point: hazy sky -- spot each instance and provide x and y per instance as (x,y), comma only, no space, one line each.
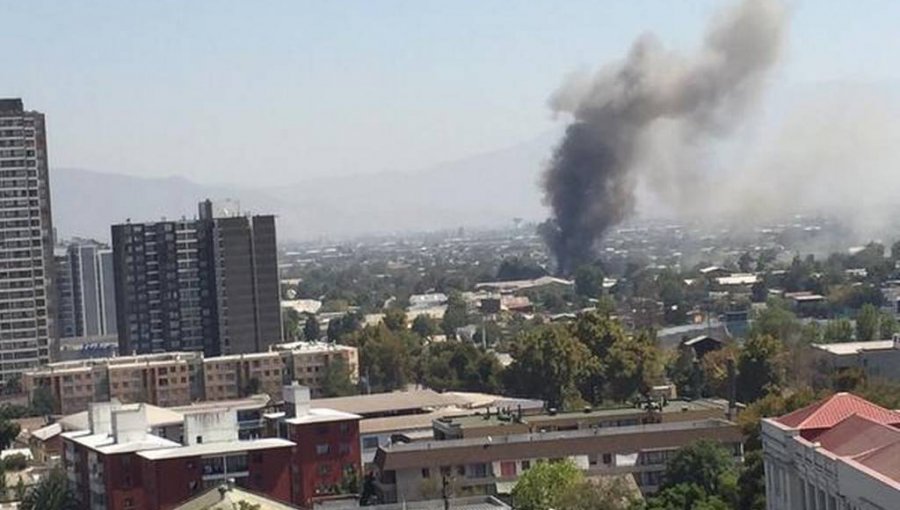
(263,92)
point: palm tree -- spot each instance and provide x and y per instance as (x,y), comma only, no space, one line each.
(51,493)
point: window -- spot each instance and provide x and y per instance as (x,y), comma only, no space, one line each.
(479,471)
(345,428)
(370,443)
(199,440)
(526,465)
(426,473)
(322,449)
(507,469)
(607,458)
(344,448)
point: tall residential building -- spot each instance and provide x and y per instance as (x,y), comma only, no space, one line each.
(86,302)
(208,284)
(27,314)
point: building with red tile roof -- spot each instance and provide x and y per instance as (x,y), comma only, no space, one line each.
(840,453)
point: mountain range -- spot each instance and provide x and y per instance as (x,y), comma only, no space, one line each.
(484,190)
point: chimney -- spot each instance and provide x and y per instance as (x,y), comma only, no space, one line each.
(296,400)
(130,425)
(100,416)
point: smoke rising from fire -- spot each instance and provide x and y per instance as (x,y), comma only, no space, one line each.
(649,119)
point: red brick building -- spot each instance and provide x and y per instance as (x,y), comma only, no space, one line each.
(326,458)
(118,465)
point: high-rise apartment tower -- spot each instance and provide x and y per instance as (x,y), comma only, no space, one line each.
(209,284)
(27,313)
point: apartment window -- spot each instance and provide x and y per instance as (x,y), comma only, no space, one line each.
(479,470)
(526,465)
(322,449)
(507,469)
(370,443)
(607,458)
(345,427)
(426,473)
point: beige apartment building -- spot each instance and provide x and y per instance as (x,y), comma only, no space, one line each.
(179,378)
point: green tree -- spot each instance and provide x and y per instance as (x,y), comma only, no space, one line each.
(776,320)
(760,367)
(867,323)
(386,357)
(460,366)
(517,268)
(337,380)
(42,401)
(840,330)
(752,483)
(311,330)
(684,497)
(395,319)
(759,292)
(424,326)
(9,430)
(589,281)
(342,326)
(51,493)
(456,315)
(546,485)
(291,324)
(706,464)
(549,363)
(887,325)
(16,462)
(603,494)
(622,364)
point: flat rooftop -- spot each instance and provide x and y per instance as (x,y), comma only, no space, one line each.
(631,438)
(501,419)
(216,448)
(393,402)
(562,435)
(407,422)
(845,348)
(321,415)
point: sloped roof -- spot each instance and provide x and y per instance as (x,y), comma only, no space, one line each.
(857,435)
(883,461)
(829,412)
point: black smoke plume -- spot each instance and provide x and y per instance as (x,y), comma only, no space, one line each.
(616,113)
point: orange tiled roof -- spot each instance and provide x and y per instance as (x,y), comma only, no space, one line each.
(831,411)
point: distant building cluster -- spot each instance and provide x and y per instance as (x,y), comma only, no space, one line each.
(179,378)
